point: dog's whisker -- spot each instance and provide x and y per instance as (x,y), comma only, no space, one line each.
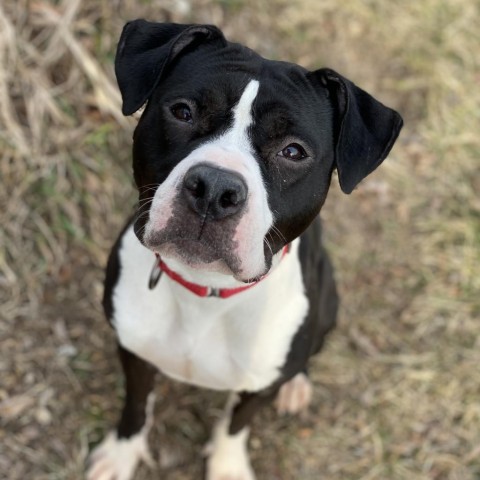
(142,211)
(144,202)
(149,185)
(141,217)
(268,245)
(278,233)
(149,189)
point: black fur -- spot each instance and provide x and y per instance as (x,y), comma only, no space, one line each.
(112,273)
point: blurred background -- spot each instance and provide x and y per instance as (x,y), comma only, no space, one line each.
(397,388)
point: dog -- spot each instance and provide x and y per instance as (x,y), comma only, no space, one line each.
(220,280)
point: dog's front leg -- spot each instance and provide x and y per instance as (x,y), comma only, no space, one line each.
(121,451)
(227,453)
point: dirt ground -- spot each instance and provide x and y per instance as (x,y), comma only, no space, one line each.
(397,387)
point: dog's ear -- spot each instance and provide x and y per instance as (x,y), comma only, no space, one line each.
(364,129)
(146,48)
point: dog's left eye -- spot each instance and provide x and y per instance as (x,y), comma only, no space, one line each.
(182,112)
(294,151)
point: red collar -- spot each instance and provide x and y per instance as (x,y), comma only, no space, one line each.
(200,290)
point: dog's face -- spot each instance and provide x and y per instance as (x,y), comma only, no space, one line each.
(233,154)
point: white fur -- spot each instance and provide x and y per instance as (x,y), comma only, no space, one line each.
(238,343)
(233,151)
(295,395)
(227,454)
(118,457)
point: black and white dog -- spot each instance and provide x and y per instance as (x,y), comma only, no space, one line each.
(233,158)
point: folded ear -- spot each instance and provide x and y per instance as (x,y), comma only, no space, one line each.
(144,51)
(365,130)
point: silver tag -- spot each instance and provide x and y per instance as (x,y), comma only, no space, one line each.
(155,275)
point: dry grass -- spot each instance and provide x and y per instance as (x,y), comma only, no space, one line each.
(398,386)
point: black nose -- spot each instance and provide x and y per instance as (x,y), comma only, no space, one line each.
(213,192)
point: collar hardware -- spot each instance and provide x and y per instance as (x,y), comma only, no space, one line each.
(155,275)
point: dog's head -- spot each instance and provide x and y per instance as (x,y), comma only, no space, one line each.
(234,153)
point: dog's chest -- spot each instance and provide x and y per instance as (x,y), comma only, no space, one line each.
(240,343)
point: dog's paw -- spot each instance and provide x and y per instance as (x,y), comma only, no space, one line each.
(228,456)
(229,468)
(117,459)
(295,395)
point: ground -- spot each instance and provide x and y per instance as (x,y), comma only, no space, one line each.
(397,387)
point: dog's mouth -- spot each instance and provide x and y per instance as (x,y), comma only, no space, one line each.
(208,253)
(208,247)
(195,254)
(203,257)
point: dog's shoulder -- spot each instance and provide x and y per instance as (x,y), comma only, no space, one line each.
(112,272)
(320,289)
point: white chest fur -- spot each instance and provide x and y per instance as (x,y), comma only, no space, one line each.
(239,343)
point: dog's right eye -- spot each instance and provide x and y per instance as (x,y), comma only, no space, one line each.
(182,112)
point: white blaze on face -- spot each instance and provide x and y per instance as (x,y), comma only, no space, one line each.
(242,119)
(233,151)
